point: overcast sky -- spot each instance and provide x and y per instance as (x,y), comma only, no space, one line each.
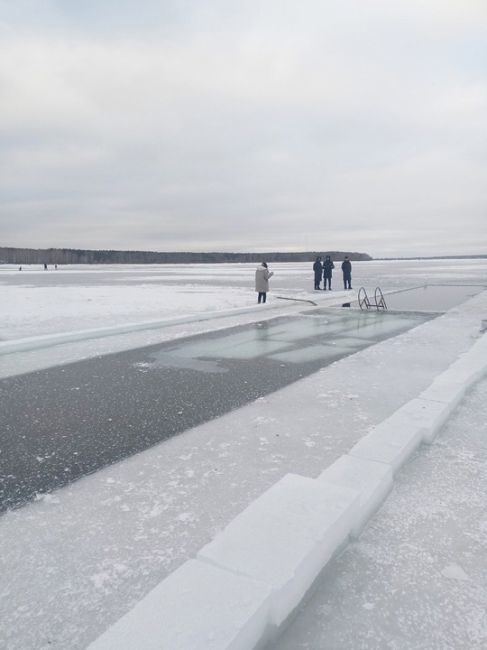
(251,125)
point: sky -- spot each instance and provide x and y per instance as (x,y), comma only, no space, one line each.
(258,125)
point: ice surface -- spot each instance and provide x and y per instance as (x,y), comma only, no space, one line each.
(450,386)
(431,297)
(311,353)
(49,340)
(285,537)
(419,420)
(416,577)
(90,296)
(370,479)
(131,524)
(172,359)
(40,306)
(428,416)
(78,298)
(454,572)
(198,607)
(51,352)
(294,330)
(107,540)
(392,441)
(446,388)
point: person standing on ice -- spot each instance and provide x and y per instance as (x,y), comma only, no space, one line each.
(262,275)
(347,273)
(318,270)
(328,267)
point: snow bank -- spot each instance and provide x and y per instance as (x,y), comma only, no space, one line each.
(449,388)
(249,578)
(285,538)
(48,340)
(417,576)
(428,415)
(392,441)
(198,607)
(419,420)
(372,480)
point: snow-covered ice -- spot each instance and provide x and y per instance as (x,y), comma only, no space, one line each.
(199,607)
(391,442)
(74,562)
(80,297)
(417,577)
(285,537)
(373,481)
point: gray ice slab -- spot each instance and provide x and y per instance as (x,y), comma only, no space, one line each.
(311,353)
(371,479)
(267,338)
(384,325)
(253,342)
(198,607)
(254,349)
(351,342)
(285,537)
(175,360)
(304,327)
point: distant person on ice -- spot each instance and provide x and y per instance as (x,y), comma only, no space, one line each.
(318,270)
(347,273)
(328,267)
(262,275)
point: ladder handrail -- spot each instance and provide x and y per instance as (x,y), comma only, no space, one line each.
(364,300)
(381,303)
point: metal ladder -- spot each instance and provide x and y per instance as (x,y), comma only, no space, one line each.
(365,302)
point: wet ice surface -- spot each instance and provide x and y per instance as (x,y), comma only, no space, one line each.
(417,577)
(431,297)
(61,423)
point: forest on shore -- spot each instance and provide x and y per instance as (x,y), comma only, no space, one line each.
(10,255)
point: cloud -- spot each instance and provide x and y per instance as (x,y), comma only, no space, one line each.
(244,126)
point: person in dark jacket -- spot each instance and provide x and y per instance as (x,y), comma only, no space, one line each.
(328,267)
(347,273)
(318,270)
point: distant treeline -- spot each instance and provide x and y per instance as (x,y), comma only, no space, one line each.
(73,256)
(434,257)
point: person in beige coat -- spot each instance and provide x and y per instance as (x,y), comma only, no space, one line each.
(262,275)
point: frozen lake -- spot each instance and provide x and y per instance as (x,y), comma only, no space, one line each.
(36,302)
(431,297)
(79,557)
